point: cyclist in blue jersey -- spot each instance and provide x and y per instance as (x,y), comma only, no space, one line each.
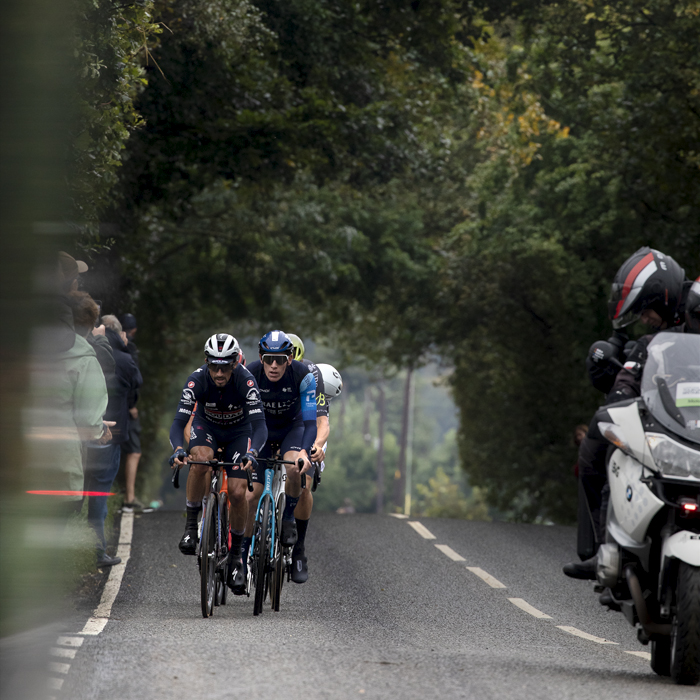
(228,414)
(288,393)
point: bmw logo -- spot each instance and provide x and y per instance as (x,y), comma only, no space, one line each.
(629,493)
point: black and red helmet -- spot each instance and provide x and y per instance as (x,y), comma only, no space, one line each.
(647,280)
(692,308)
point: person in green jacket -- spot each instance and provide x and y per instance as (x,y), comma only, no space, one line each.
(68,403)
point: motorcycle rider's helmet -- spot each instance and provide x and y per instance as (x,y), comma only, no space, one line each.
(298,346)
(221,349)
(332,381)
(692,308)
(647,280)
(276,343)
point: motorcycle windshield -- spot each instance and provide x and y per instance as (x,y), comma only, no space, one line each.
(671,383)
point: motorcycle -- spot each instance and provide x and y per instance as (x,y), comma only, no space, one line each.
(650,561)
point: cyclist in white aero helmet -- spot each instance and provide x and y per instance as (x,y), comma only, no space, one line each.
(302,513)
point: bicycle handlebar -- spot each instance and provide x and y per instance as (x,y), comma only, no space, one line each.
(211,463)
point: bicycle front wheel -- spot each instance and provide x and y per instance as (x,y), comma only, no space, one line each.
(208,557)
(263,555)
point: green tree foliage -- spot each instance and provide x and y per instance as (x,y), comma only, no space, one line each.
(428,178)
(111,46)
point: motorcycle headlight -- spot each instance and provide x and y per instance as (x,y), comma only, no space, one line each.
(672,458)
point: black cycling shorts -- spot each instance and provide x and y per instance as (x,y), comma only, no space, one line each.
(234,443)
(289,439)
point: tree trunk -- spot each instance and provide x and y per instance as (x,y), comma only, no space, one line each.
(400,474)
(380,448)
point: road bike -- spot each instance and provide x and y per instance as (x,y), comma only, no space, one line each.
(214,536)
(268,560)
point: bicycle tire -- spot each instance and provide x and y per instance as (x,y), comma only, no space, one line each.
(263,549)
(223,545)
(208,558)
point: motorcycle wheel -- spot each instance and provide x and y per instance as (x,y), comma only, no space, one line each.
(685,634)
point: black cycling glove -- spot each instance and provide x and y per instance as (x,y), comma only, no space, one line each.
(178,454)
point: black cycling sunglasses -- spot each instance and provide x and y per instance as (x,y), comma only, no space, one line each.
(279,359)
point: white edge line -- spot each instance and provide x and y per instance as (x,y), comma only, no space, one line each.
(55,683)
(401,516)
(487,578)
(62,653)
(100,616)
(448,551)
(422,530)
(56,667)
(584,635)
(526,607)
(70,641)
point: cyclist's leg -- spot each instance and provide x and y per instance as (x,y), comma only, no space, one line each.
(202,448)
(237,493)
(290,449)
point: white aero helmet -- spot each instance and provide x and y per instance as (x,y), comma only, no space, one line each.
(222,349)
(332,380)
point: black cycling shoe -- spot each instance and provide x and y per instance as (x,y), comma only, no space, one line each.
(582,569)
(289,533)
(300,570)
(188,543)
(237,576)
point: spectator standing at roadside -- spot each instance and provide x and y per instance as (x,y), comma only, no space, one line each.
(102,455)
(132,445)
(127,379)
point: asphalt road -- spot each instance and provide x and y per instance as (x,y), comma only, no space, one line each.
(385,614)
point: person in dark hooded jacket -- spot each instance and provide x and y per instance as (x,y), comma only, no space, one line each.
(126,380)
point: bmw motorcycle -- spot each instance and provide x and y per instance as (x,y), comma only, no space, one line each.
(651,558)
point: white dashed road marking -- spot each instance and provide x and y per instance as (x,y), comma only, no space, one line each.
(448,551)
(487,578)
(421,530)
(641,654)
(520,603)
(584,635)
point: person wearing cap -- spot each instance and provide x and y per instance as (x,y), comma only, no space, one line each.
(132,447)
(59,336)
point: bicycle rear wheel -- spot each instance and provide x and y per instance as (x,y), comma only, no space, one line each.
(263,555)
(224,545)
(208,557)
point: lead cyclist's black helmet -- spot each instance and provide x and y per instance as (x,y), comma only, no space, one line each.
(277,343)
(647,280)
(692,308)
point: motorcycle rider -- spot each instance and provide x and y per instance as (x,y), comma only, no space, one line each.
(652,288)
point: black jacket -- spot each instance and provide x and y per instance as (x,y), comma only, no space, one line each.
(127,378)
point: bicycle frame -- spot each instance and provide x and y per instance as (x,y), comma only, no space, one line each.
(275,476)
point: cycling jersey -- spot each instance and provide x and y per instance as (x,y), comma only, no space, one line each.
(231,408)
(321,396)
(288,401)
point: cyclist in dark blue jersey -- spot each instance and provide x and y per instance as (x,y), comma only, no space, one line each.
(228,414)
(288,393)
